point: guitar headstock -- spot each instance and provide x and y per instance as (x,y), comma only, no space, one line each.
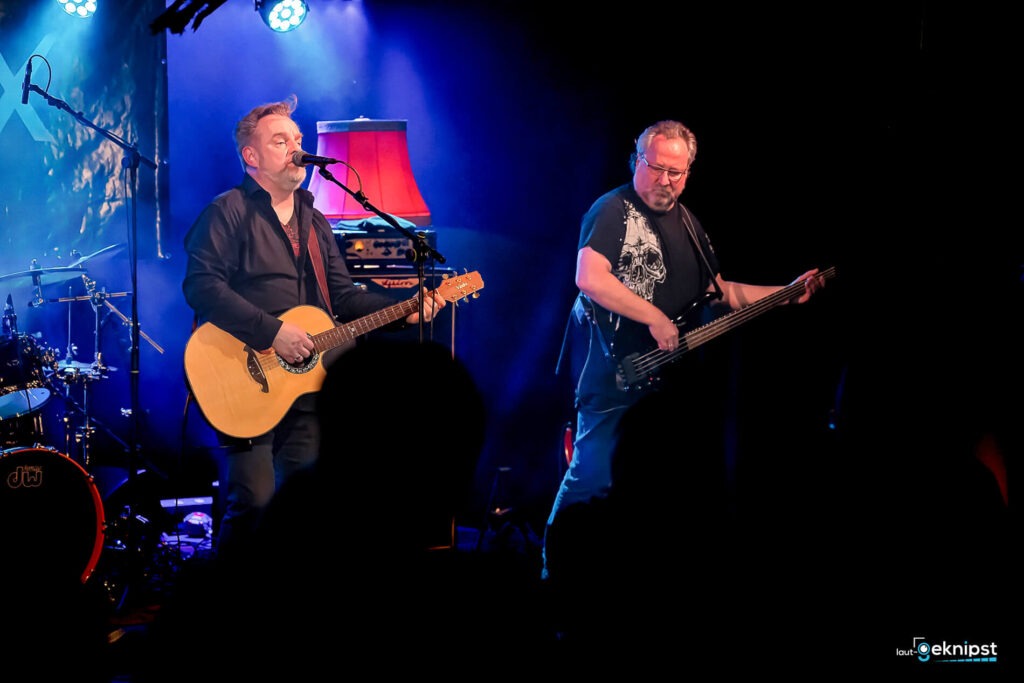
(456,288)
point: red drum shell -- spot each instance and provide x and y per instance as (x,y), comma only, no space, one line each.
(51,513)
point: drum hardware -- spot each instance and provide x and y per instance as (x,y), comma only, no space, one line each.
(71,372)
(130,535)
(10,326)
(63,375)
(30,375)
(101,297)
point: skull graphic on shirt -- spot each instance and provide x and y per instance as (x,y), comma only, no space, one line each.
(641,266)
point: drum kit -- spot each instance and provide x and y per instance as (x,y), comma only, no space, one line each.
(54,497)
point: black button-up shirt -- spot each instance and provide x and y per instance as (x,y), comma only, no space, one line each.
(242,273)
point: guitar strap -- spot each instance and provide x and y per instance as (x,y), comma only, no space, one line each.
(318,267)
(688,220)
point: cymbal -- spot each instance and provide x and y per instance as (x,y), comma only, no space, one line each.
(104,250)
(47,276)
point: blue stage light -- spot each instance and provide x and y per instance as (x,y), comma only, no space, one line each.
(282,15)
(79,8)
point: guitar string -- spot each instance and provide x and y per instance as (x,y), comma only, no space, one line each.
(378,319)
(652,359)
(366,324)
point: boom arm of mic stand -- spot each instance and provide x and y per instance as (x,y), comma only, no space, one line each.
(61,104)
(423,249)
(428,251)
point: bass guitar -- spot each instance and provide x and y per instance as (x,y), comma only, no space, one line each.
(243,392)
(641,370)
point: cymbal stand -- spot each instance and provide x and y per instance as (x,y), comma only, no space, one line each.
(101,297)
(97,370)
(96,298)
(37,285)
(71,348)
(81,436)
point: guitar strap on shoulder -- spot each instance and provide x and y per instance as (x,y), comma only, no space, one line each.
(318,266)
(688,221)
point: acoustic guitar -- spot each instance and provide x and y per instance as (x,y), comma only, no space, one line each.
(244,392)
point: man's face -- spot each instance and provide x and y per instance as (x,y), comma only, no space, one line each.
(652,178)
(274,140)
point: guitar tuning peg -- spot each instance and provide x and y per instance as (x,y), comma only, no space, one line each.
(475,295)
(444,276)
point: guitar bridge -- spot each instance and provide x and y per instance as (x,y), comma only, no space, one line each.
(252,364)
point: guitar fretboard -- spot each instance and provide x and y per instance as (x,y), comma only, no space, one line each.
(638,370)
(345,332)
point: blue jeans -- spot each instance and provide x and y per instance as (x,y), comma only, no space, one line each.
(600,406)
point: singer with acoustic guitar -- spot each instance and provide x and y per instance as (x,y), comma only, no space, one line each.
(261,259)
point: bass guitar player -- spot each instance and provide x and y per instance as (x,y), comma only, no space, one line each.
(643,262)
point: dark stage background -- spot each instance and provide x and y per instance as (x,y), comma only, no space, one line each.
(867,136)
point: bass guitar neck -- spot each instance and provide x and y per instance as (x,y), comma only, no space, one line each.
(641,370)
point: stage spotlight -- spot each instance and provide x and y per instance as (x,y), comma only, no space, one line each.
(282,15)
(78,8)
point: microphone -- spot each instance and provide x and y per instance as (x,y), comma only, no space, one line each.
(27,83)
(300,158)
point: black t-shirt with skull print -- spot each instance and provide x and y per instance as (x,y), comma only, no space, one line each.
(650,253)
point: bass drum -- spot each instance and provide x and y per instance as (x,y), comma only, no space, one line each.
(51,514)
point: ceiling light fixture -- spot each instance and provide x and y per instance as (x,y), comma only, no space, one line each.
(282,15)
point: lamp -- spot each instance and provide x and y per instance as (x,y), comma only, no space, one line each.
(79,8)
(377,153)
(282,15)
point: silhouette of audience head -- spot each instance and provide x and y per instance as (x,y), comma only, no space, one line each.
(402,427)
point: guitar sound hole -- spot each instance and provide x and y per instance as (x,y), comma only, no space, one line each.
(300,368)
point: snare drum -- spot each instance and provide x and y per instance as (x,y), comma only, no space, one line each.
(23,385)
(51,514)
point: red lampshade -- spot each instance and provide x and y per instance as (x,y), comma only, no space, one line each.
(379,153)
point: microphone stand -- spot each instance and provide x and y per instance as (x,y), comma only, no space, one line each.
(130,163)
(421,251)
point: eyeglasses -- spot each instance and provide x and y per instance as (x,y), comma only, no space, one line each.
(673,176)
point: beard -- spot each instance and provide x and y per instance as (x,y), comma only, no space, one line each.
(661,199)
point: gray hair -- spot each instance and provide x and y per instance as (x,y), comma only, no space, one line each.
(671,130)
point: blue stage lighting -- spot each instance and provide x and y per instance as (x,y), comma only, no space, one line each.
(78,8)
(282,15)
